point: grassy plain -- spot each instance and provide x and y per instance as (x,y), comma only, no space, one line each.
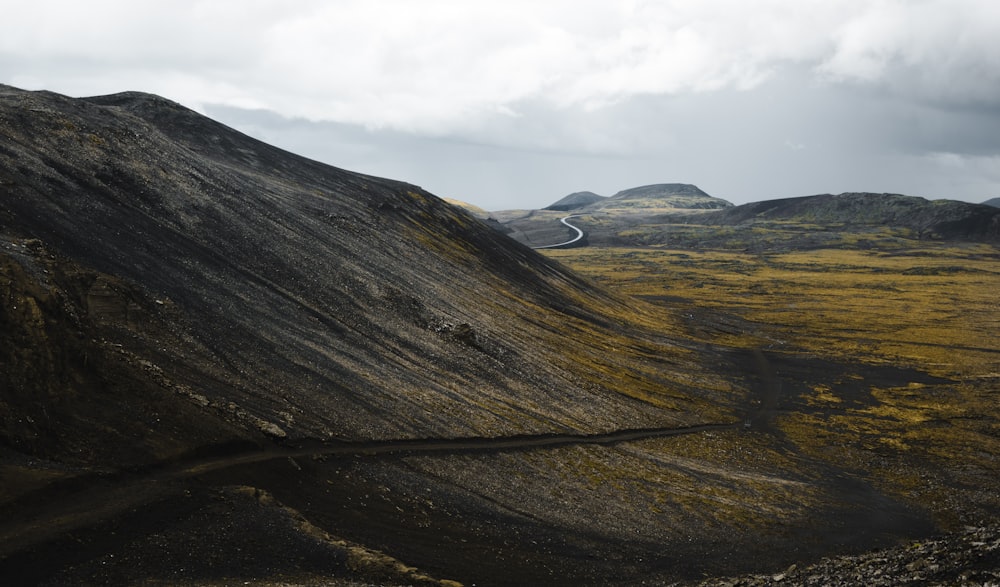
(888,357)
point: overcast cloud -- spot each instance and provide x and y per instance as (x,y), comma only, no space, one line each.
(516,103)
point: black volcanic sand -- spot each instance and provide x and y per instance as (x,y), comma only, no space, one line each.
(473,541)
(199,534)
(210,534)
(200,528)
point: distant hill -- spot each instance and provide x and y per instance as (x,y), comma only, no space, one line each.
(944,219)
(659,190)
(575,201)
(992,202)
(542,227)
(664,196)
(647,199)
(658,214)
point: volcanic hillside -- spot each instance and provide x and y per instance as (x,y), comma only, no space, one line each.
(323,303)
(173,287)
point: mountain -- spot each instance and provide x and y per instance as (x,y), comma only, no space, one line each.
(575,200)
(992,202)
(283,271)
(180,297)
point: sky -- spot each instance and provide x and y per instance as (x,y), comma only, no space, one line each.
(517,103)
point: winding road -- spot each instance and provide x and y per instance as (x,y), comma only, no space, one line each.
(579,233)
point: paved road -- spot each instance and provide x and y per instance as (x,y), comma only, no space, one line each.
(564,220)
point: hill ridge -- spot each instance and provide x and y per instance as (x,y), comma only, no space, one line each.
(944,219)
(660,189)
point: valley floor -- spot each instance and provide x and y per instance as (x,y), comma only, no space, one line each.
(915,329)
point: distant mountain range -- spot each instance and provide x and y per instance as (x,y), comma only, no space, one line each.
(640,215)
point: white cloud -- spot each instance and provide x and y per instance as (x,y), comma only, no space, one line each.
(445,64)
(937,50)
(676,88)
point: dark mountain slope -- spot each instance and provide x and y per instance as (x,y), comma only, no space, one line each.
(70,395)
(323,303)
(175,290)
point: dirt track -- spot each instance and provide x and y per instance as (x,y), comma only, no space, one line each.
(342,487)
(87,501)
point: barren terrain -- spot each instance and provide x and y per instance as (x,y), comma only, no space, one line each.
(225,363)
